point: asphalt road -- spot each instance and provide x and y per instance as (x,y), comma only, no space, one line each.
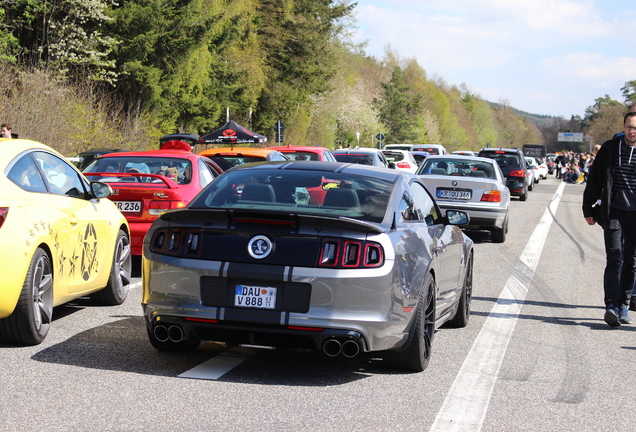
(536,356)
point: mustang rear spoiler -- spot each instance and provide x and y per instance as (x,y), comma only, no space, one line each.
(226,218)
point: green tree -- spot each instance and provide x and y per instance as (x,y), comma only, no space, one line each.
(399,109)
(599,105)
(482,120)
(629,92)
(606,120)
(346,111)
(188,63)
(9,44)
(297,44)
(63,35)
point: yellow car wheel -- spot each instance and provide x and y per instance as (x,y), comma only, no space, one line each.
(29,323)
(116,290)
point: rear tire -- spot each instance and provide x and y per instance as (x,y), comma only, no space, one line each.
(498,235)
(116,289)
(30,321)
(417,355)
(463,309)
(523,197)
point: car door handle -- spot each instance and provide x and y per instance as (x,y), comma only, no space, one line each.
(441,248)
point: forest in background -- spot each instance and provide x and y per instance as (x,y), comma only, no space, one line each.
(80,74)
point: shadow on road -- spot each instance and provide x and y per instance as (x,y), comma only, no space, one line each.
(123,346)
(479,236)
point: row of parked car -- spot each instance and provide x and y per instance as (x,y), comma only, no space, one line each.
(479,183)
(300,251)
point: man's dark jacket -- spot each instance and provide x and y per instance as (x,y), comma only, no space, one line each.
(599,181)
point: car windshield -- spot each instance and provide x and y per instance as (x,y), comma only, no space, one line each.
(302,155)
(394,156)
(177,169)
(303,192)
(228,161)
(357,158)
(457,167)
(504,159)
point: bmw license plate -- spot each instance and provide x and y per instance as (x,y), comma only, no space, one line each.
(454,194)
(255,297)
(129,206)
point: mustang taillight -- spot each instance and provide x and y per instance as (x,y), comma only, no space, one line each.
(491,196)
(340,253)
(183,242)
(3,215)
(517,173)
(156,208)
(351,254)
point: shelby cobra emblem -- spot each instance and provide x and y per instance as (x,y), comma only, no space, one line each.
(259,247)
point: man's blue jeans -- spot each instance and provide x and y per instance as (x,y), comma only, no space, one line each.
(620,248)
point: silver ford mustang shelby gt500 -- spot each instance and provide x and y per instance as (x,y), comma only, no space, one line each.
(340,258)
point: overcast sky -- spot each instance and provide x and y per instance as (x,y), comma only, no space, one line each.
(549,57)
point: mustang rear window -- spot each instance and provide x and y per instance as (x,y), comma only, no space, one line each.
(304,192)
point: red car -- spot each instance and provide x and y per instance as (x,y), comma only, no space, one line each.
(303,153)
(146,184)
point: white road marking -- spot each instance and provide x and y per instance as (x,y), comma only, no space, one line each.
(219,365)
(465,406)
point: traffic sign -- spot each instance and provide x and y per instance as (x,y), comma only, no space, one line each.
(570,137)
(380,137)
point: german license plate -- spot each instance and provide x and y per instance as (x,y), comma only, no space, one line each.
(455,194)
(129,206)
(255,297)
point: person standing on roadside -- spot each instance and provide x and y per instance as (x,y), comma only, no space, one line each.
(609,199)
(559,164)
(5,131)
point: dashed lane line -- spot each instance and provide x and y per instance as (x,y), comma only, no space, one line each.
(221,364)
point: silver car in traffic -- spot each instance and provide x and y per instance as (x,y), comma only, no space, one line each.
(339,258)
(475,185)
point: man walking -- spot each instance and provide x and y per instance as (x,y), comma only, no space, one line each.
(610,199)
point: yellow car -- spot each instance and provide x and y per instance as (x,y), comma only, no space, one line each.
(60,239)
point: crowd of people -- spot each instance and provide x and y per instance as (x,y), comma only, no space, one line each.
(573,167)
